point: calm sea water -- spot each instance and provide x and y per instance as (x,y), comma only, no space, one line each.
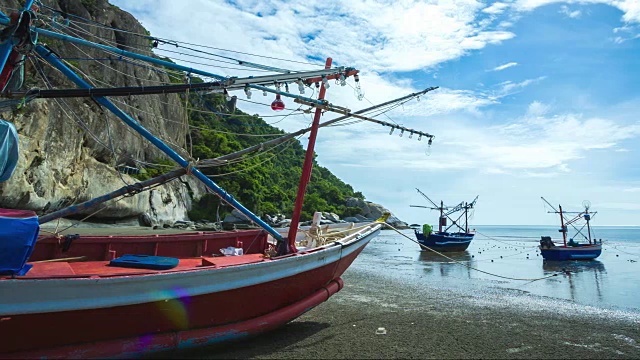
(611,281)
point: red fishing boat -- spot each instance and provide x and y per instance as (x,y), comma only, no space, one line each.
(81,306)
(86,296)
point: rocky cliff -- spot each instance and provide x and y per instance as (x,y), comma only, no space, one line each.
(70,148)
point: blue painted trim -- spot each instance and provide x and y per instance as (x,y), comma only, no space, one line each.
(152,60)
(445,241)
(563,255)
(49,56)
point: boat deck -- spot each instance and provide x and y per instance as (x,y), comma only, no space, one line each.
(103,269)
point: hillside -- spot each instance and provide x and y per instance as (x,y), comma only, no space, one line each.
(71,149)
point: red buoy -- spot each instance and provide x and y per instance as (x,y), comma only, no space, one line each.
(277,104)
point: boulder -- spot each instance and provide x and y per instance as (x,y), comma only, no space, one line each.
(331,217)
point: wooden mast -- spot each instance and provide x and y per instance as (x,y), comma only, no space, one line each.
(440,219)
(466,218)
(306,170)
(587,217)
(563,229)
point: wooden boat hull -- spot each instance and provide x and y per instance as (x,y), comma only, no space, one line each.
(121,316)
(563,253)
(445,242)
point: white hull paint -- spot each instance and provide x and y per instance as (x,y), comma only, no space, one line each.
(30,296)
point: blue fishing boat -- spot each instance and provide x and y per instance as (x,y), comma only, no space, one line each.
(572,250)
(446,240)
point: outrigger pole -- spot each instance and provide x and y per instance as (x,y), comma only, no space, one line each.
(161,179)
(256,82)
(443,215)
(48,55)
(54,60)
(565,221)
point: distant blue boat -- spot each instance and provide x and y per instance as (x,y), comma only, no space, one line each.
(571,250)
(444,240)
(577,252)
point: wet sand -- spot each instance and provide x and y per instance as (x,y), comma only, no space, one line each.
(424,319)
(433,323)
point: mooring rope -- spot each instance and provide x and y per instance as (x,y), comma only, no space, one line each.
(504,242)
(468,266)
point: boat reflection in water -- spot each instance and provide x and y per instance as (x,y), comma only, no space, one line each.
(594,266)
(581,276)
(436,264)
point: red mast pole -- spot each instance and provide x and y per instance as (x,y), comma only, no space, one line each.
(306,170)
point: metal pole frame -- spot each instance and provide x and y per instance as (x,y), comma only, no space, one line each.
(53,59)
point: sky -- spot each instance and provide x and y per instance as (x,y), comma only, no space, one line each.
(536,98)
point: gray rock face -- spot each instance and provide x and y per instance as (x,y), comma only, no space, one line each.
(331,217)
(373,211)
(70,148)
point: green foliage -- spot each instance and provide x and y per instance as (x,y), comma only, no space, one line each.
(265,184)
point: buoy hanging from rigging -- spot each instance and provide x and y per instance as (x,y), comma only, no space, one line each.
(277,104)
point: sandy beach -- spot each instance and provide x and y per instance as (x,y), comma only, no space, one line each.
(394,286)
(432,323)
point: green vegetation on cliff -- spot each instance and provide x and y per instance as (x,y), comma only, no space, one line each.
(265,184)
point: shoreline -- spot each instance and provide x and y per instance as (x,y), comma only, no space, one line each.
(437,323)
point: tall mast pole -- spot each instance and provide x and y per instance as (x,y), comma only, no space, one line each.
(562,228)
(306,171)
(466,218)
(440,219)
(588,217)
(54,60)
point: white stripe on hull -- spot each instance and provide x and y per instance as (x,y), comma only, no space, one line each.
(29,296)
(453,242)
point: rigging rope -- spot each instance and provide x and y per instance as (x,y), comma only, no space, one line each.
(503,242)
(468,266)
(155,41)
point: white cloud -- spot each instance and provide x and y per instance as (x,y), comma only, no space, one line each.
(537,108)
(378,36)
(505,66)
(630,8)
(508,87)
(495,8)
(384,38)
(572,14)
(532,147)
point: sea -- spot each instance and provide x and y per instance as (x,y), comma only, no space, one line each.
(507,257)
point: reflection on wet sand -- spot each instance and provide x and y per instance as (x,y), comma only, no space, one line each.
(433,257)
(580,275)
(573,266)
(435,263)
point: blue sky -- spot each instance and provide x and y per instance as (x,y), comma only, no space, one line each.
(537,97)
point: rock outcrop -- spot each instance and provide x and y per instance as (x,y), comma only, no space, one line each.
(373,211)
(70,148)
